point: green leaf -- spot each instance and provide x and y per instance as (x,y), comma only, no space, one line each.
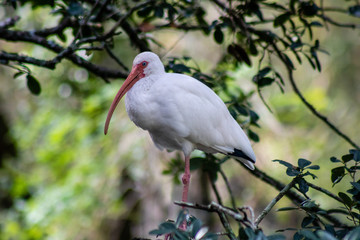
(239,53)
(309,173)
(356,154)
(33,84)
(289,165)
(75,8)
(356,185)
(195,227)
(253,117)
(316,24)
(303,186)
(196,163)
(144,12)
(263,72)
(287,209)
(292,172)
(308,204)
(164,228)
(180,68)
(281,19)
(289,62)
(334,159)
(18,74)
(337,174)
(253,136)
(346,199)
(181,217)
(265,81)
(302,163)
(315,57)
(325,235)
(347,157)
(306,221)
(280,78)
(252,48)
(308,234)
(310,61)
(159,12)
(308,9)
(241,109)
(296,45)
(314,167)
(355,11)
(218,35)
(353,234)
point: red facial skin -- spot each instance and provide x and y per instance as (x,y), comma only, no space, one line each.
(137,72)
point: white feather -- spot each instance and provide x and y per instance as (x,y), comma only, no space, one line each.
(181,113)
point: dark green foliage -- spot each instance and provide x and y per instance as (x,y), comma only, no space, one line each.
(194,228)
(75,8)
(218,35)
(355,10)
(267,30)
(33,84)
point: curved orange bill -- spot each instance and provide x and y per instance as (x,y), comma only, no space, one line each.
(133,77)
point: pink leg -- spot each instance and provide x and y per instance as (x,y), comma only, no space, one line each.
(186,182)
(186,179)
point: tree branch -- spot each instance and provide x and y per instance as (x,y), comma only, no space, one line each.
(274,201)
(28,36)
(26,59)
(330,194)
(306,103)
(115,15)
(292,195)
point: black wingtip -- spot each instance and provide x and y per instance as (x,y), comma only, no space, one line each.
(241,154)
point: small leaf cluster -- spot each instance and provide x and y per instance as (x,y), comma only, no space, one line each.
(313,225)
(299,172)
(175,167)
(186,227)
(349,166)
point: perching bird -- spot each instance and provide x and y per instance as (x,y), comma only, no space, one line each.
(180,113)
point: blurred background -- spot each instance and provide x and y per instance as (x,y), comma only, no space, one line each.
(61,178)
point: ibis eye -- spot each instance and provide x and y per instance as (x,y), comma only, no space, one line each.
(144,64)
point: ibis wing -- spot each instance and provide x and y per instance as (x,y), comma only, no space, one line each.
(202,118)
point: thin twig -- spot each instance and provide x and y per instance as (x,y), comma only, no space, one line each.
(218,197)
(26,59)
(222,216)
(274,201)
(213,207)
(114,57)
(330,194)
(233,203)
(345,25)
(292,195)
(306,103)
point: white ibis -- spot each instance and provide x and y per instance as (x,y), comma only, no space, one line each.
(180,113)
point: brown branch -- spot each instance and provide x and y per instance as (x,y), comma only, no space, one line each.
(26,59)
(345,25)
(65,22)
(292,195)
(115,15)
(28,36)
(233,203)
(274,201)
(220,209)
(330,194)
